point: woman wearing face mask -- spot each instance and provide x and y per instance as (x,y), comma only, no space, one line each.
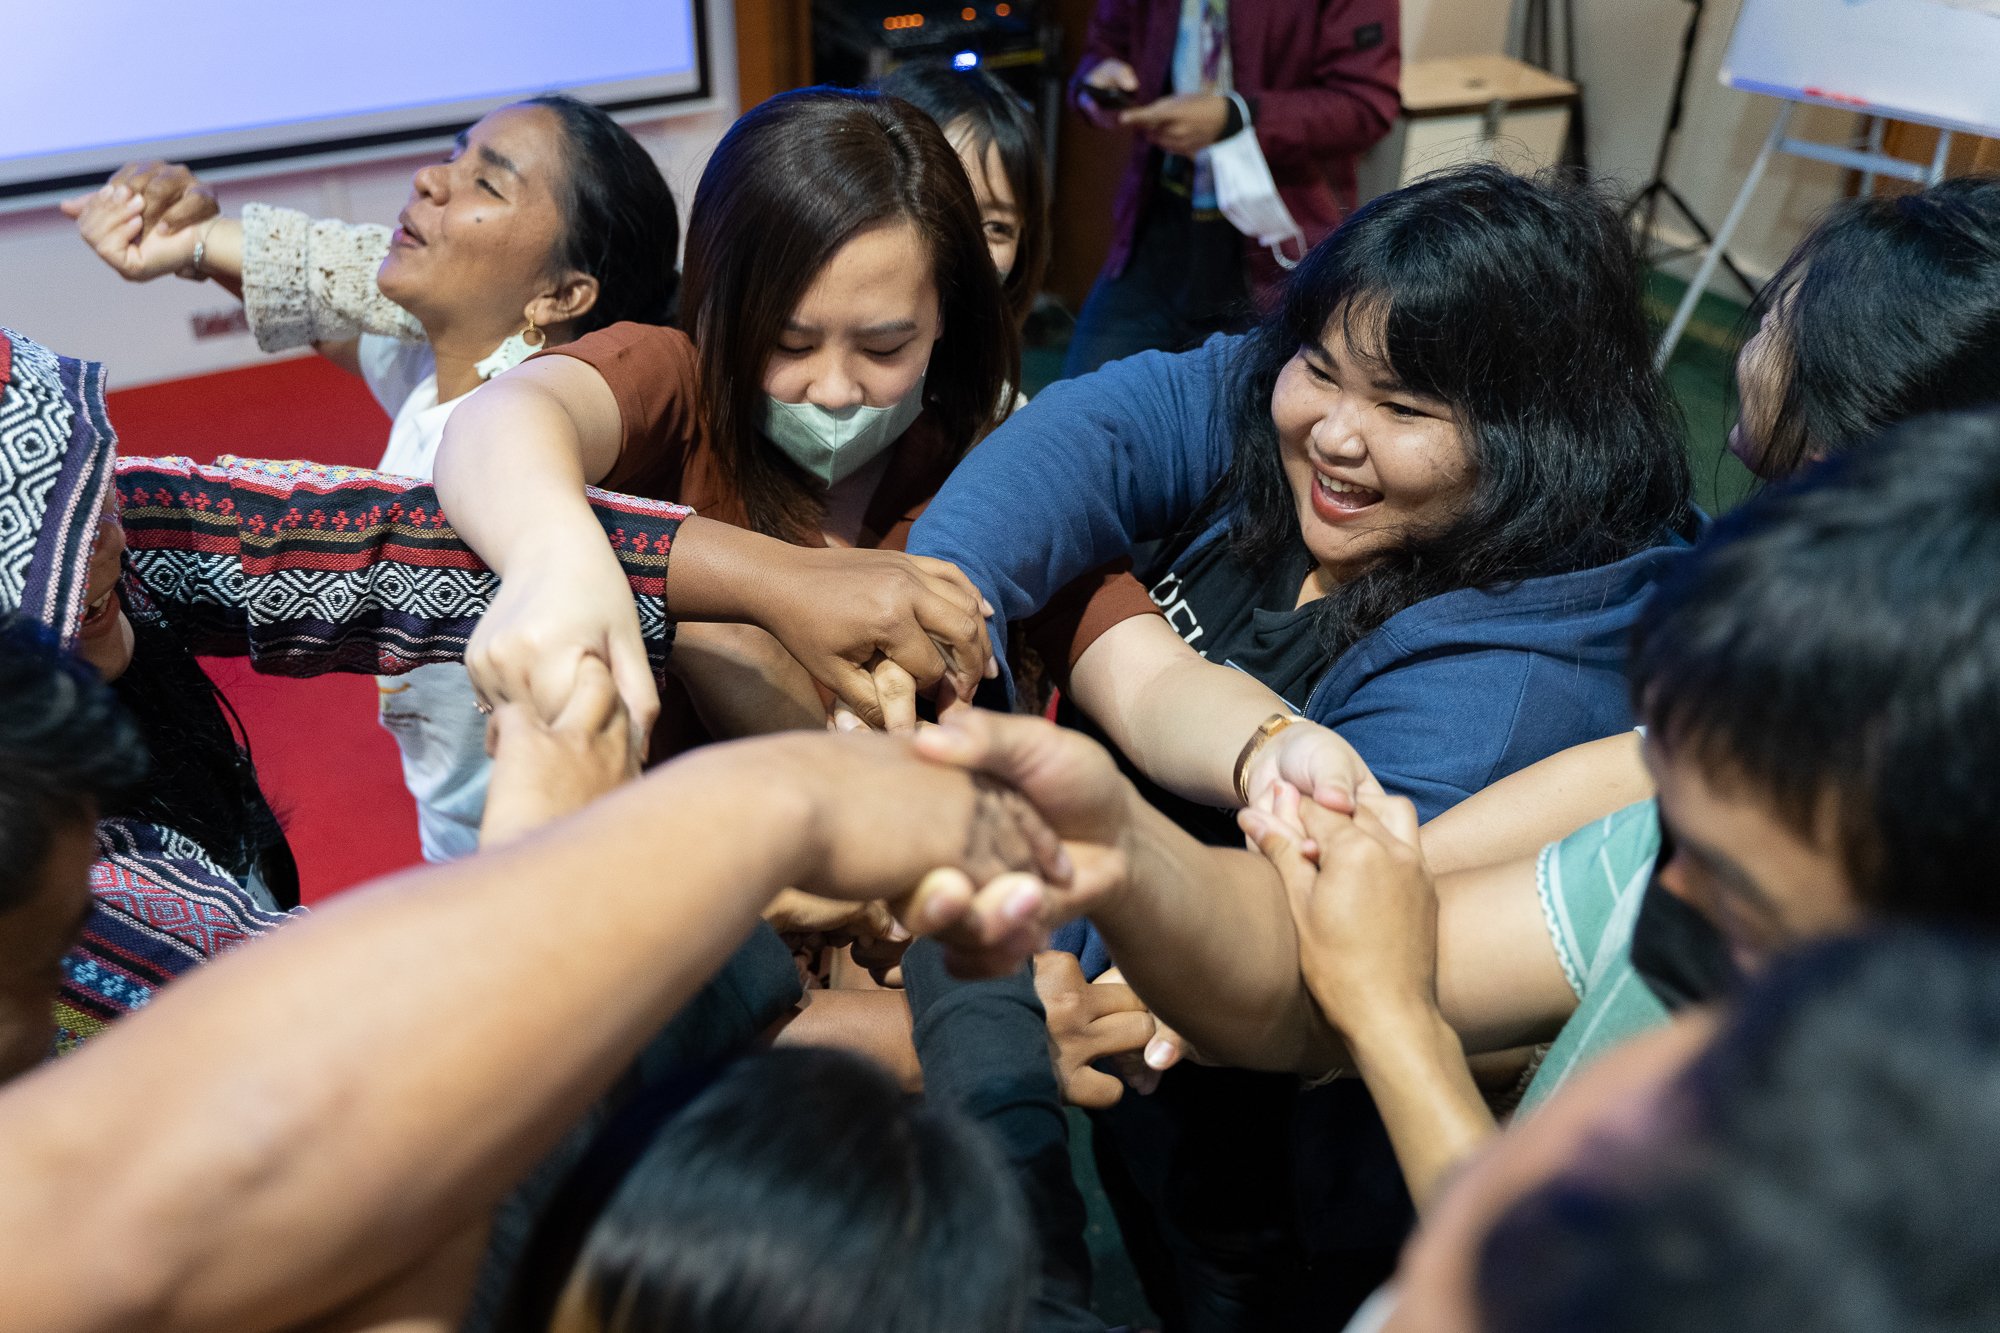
(849,344)
(547,221)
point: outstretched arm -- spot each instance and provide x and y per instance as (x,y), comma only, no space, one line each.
(555,958)
(1193,726)
(1206,935)
(304,282)
(1540,804)
(1367,918)
(511,471)
(310,569)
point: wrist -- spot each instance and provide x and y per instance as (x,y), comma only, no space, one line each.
(1400,1031)
(723,572)
(1259,742)
(1157,854)
(786,772)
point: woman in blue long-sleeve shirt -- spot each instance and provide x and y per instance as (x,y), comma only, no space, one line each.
(1420,506)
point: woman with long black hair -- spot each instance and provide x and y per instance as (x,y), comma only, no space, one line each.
(1421,505)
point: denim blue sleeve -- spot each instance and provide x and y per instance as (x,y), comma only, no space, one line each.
(1437,728)
(1081,474)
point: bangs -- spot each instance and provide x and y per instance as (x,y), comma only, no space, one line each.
(1397,330)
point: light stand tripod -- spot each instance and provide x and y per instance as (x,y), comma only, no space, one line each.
(1659,190)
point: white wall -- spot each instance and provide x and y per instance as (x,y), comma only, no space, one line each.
(54,290)
(1627,50)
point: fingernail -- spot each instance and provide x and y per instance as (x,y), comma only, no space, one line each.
(937,914)
(985,608)
(1065,869)
(1023,904)
(1159,1051)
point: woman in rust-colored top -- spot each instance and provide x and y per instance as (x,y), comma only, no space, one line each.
(852,345)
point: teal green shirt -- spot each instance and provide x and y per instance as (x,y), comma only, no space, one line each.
(1590,885)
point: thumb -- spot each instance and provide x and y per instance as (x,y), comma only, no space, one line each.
(74,205)
(1397,816)
(632,674)
(855,688)
(1280,847)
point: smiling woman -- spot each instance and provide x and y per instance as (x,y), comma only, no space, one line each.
(1421,505)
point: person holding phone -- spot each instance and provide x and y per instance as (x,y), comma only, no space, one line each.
(1315,83)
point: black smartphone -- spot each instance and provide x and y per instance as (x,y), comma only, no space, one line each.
(1111,99)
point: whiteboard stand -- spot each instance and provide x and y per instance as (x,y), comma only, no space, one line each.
(1870,162)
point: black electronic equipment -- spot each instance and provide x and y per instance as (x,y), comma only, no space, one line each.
(870,37)
(858,41)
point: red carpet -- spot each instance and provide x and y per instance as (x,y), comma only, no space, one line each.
(332,774)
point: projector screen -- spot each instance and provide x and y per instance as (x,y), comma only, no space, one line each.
(233,82)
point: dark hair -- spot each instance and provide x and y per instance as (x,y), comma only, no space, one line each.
(1835,646)
(793,181)
(805,1193)
(202,781)
(66,746)
(1832,1163)
(620,225)
(993,116)
(1889,308)
(1515,300)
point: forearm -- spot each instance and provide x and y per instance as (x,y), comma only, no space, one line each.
(510,474)
(306,281)
(220,549)
(1205,936)
(1415,1068)
(1542,803)
(720,572)
(260,1053)
(222,254)
(1181,719)
(743,682)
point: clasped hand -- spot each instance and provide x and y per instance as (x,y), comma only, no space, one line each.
(144,221)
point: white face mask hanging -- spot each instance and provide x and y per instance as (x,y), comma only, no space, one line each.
(1247,195)
(833,446)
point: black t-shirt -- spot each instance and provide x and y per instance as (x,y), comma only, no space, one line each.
(1246,618)
(1239,616)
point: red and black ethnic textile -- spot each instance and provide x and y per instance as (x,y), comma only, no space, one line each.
(55,464)
(309,569)
(159,907)
(304,569)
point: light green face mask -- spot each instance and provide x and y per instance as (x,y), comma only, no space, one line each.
(833,446)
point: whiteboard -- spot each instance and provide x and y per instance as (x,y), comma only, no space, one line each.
(1932,61)
(258,81)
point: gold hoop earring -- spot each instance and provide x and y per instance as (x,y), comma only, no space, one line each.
(533,336)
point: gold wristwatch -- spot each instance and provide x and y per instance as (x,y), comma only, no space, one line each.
(1266,729)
